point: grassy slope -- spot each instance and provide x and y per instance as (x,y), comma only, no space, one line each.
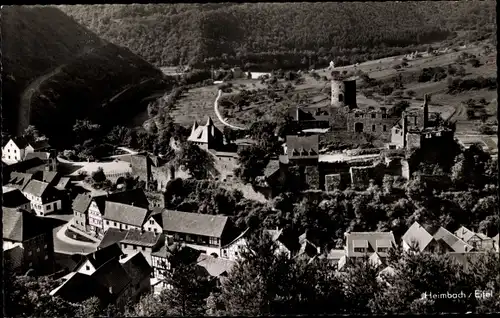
(69,71)
(166,34)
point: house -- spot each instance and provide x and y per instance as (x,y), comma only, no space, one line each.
(95,260)
(417,238)
(31,237)
(124,216)
(139,271)
(232,250)
(161,263)
(135,197)
(43,155)
(216,268)
(207,136)
(15,199)
(285,241)
(457,245)
(374,244)
(333,256)
(80,208)
(154,223)
(16,148)
(50,177)
(44,198)
(207,233)
(111,237)
(478,240)
(143,241)
(308,249)
(28,166)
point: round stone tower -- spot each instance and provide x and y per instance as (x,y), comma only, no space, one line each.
(344,93)
(338,93)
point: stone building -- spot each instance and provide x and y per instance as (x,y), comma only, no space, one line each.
(373,121)
(343,93)
(207,136)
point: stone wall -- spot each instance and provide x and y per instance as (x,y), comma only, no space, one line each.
(312,177)
(374,123)
(333,181)
(413,140)
(360,176)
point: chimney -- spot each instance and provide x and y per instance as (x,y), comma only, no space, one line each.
(405,129)
(426,110)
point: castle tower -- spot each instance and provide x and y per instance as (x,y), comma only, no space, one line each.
(343,93)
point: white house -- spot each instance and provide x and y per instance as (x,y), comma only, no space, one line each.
(123,216)
(43,198)
(154,222)
(16,149)
(93,261)
(232,251)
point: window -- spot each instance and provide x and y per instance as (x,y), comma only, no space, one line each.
(143,248)
(151,222)
(9,157)
(46,257)
(384,128)
(149,229)
(214,241)
(114,223)
(382,249)
(373,127)
(107,222)
(135,247)
(374,115)
(124,245)
(359,249)
(87,267)
(356,115)
(8,150)
(235,253)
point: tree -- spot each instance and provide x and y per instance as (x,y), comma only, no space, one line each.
(98,176)
(188,283)
(410,93)
(258,283)
(31,133)
(195,160)
(252,161)
(150,305)
(400,107)
(386,90)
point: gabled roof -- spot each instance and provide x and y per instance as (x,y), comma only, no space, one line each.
(205,133)
(456,244)
(36,188)
(101,256)
(20,142)
(25,166)
(63,183)
(20,226)
(307,145)
(137,267)
(194,223)
(82,202)
(13,258)
(124,213)
(215,266)
(416,233)
(137,197)
(272,167)
(80,287)
(465,234)
(112,276)
(375,259)
(142,238)
(14,199)
(111,237)
(37,154)
(49,176)
(369,240)
(156,214)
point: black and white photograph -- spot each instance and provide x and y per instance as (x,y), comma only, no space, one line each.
(250,159)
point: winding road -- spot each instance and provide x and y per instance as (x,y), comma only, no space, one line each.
(216,109)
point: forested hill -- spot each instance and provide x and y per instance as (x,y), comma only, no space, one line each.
(56,70)
(170,34)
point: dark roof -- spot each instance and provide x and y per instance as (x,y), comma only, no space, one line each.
(14,199)
(194,223)
(25,166)
(13,258)
(63,183)
(101,256)
(156,214)
(137,267)
(67,261)
(49,176)
(124,213)
(20,226)
(272,167)
(36,188)
(111,237)
(82,202)
(20,142)
(80,287)
(137,197)
(298,144)
(112,276)
(43,155)
(142,238)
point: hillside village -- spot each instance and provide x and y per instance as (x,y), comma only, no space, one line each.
(314,180)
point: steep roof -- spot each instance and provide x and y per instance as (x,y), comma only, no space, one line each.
(49,176)
(456,244)
(20,226)
(82,202)
(137,267)
(79,287)
(194,223)
(19,180)
(37,154)
(13,258)
(101,256)
(20,142)
(215,266)
(156,214)
(137,197)
(14,199)
(63,183)
(369,240)
(36,188)
(416,233)
(205,133)
(142,238)
(272,167)
(124,213)
(465,234)
(111,237)
(112,276)
(302,145)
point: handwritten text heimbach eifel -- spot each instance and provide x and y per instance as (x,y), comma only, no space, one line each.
(478,294)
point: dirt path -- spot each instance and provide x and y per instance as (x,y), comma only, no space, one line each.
(216,109)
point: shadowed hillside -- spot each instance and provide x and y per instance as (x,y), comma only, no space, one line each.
(56,71)
(281,34)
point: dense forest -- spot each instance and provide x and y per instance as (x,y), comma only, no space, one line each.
(57,71)
(282,35)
